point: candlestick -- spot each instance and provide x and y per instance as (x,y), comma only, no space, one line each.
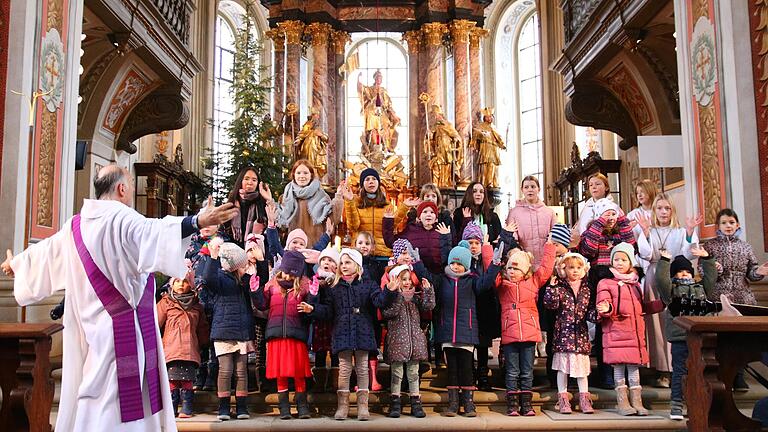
(337,243)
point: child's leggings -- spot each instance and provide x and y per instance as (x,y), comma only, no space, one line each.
(562,383)
(411,372)
(229,363)
(361,369)
(299,382)
(459,362)
(632,370)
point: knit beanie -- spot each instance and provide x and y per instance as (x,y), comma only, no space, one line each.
(603,205)
(329,252)
(627,249)
(424,205)
(232,257)
(353,254)
(472,232)
(520,260)
(292,263)
(395,272)
(460,254)
(369,172)
(398,247)
(297,233)
(561,233)
(680,263)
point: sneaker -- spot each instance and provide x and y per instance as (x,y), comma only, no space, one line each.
(676,410)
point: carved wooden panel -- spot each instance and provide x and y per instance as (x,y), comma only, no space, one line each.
(5,12)
(625,87)
(758,29)
(131,90)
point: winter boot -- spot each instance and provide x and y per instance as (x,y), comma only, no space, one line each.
(563,404)
(373,366)
(636,399)
(302,406)
(453,402)
(622,402)
(200,377)
(513,403)
(175,400)
(223,408)
(526,409)
(394,406)
(362,405)
(187,397)
(483,383)
(416,408)
(284,405)
(342,409)
(210,380)
(585,403)
(468,403)
(241,407)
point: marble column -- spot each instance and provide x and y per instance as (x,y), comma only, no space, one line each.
(476,35)
(278,73)
(431,71)
(293,31)
(460,34)
(337,148)
(415,121)
(319,34)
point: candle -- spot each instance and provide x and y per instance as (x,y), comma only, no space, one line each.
(337,243)
(394,205)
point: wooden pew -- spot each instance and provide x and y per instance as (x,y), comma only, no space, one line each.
(25,376)
(718,347)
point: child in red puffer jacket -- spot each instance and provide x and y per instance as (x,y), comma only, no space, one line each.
(518,289)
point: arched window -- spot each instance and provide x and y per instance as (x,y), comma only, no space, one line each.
(386,54)
(223,105)
(529,102)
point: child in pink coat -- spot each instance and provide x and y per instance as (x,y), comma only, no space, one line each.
(620,309)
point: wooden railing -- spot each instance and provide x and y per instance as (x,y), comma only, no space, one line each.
(176,14)
(25,376)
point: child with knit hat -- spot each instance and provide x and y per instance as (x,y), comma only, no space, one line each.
(570,300)
(457,329)
(620,310)
(432,239)
(325,271)
(296,239)
(351,304)
(232,326)
(518,288)
(287,330)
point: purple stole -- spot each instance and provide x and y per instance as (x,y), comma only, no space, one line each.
(123,324)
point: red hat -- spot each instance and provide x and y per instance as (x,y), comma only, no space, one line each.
(424,205)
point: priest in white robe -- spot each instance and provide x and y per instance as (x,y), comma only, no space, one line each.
(104,259)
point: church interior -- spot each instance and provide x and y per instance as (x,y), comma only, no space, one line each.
(185,93)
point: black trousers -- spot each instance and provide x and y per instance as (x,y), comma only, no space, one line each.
(459,362)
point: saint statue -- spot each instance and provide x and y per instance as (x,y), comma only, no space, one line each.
(487,142)
(379,117)
(445,149)
(311,144)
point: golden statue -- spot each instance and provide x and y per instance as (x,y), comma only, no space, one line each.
(487,142)
(380,119)
(445,148)
(311,144)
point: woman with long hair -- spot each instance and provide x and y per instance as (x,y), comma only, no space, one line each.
(252,216)
(477,207)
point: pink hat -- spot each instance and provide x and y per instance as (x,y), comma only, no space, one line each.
(297,233)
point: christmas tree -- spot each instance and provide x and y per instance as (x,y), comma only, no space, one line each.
(251,131)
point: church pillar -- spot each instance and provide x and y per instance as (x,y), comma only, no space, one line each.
(460,34)
(319,33)
(415,120)
(278,83)
(432,71)
(475,89)
(293,31)
(337,136)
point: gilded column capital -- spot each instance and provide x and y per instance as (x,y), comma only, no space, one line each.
(293,30)
(475,35)
(433,33)
(460,30)
(413,39)
(340,39)
(278,38)
(319,33)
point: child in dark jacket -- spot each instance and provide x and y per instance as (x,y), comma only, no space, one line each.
(518,288)
(287,330)
(457,330)
(406,344)
(569,298)
(351,304)
(373,269)
(182,321)
(675,280)
(424,234)
(327,264)
(232,328)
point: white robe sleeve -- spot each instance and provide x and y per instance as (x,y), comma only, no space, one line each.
(686,249)
(159,244)
(644,247)
(37,269)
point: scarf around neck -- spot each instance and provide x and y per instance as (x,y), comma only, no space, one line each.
(248,201)
(318,203)
(184,300)
(630,278)
(451,274)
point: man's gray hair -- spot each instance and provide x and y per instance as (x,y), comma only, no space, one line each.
(106,184)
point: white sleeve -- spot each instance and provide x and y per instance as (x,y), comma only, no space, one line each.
(686,249)
(644,247)
(160,246)
(39,265)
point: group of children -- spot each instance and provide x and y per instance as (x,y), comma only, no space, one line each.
(329,299)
